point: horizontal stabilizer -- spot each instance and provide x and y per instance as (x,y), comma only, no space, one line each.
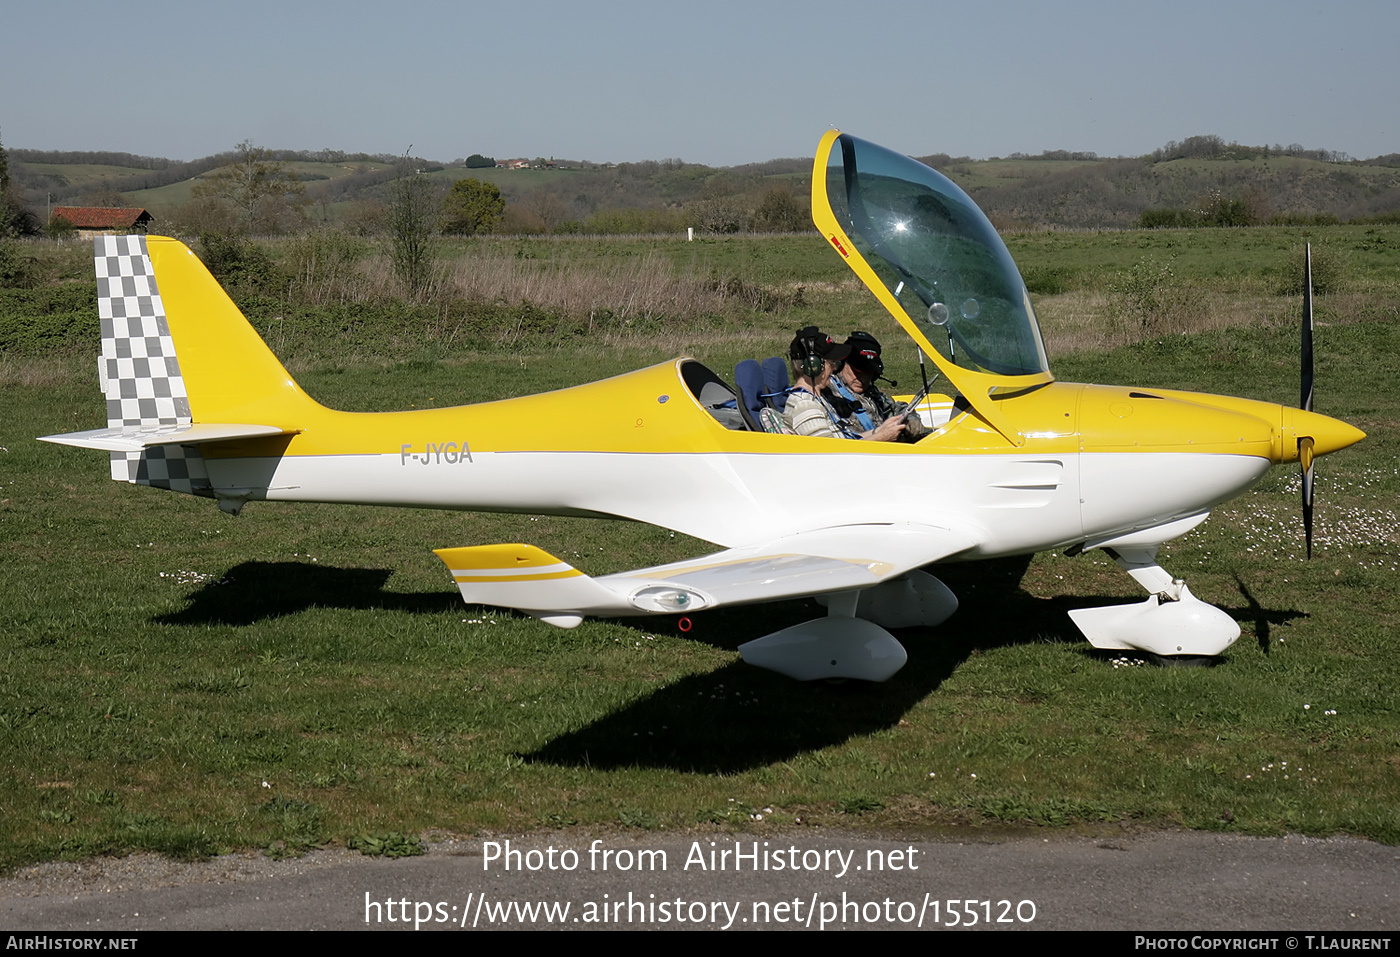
(134,438)
(525,578)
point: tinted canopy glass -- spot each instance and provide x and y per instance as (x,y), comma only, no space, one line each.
(938,255)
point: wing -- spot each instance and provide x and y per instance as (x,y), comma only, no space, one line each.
(843,558)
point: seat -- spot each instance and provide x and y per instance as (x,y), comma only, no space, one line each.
(763,393)
(748,380)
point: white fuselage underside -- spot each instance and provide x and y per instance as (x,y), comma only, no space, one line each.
(1009,504)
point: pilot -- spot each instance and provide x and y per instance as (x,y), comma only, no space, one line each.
(816,358)
(853,391)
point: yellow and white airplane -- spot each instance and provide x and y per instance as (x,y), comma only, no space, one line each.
(1014,463)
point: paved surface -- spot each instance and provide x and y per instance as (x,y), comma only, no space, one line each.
(1143,882)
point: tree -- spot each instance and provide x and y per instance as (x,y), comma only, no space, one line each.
(103,196)
(780,212)
(59,228)
(477,161)
(15,216)
(412,219)
(366,217)
(718,215)
(550,209)
(472,207)
(262,190)
(12,264)
(4,187)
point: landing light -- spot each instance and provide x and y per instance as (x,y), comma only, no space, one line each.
(667,599)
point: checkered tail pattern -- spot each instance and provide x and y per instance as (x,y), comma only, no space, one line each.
(140,373)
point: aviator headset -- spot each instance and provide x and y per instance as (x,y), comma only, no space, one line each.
(804,347)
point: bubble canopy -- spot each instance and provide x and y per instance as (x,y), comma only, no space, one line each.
(938,257)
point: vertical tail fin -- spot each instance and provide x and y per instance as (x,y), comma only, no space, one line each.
(229,372)
(138,368)
(180,366)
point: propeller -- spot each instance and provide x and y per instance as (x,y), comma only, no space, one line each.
(1305,443)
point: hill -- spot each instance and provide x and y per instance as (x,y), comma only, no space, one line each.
(1116,193)
(1201,181)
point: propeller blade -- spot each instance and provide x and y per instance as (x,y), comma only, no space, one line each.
(1305,458)
(1307,400)
(1305,444)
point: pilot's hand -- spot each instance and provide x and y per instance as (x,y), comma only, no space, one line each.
(886,431)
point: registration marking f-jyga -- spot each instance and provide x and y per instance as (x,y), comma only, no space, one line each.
(436,453)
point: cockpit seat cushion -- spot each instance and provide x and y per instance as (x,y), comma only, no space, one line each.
(748,376)
(775,381)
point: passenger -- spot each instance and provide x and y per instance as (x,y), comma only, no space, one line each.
(815,359)
(854,392)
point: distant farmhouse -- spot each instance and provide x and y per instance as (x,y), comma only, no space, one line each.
(523,163)
(93,221)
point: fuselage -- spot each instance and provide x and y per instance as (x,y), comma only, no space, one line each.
(1095,461)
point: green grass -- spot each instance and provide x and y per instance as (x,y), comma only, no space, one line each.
(1369,253)
(762,259)
(162,197)
(82,174)
(176,680)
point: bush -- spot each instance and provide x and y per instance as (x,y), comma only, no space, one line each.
(203,215)
(50,319)
(60,228)
(1391,218)
(780,211)
(366,217)
(1167,219)
(1304,219)
(322,264)
(629,222)
(1151,300)
(16,269)
(237,262)
(1328,272)
(323,255)
(1045,281)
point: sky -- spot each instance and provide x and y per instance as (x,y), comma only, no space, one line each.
(716,82)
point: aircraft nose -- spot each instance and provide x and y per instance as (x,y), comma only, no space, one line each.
(1328,434)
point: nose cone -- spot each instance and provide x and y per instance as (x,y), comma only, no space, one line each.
(1328,434)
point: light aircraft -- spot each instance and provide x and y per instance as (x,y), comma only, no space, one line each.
(1015,462)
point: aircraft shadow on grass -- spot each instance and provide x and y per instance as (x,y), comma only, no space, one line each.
(739,717)
(258,591)
(1264,618)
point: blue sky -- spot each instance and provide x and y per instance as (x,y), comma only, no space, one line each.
(715,81)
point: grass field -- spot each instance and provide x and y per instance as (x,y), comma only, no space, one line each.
(178,680)
(82,174)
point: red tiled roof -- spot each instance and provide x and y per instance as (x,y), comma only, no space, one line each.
(101,217)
